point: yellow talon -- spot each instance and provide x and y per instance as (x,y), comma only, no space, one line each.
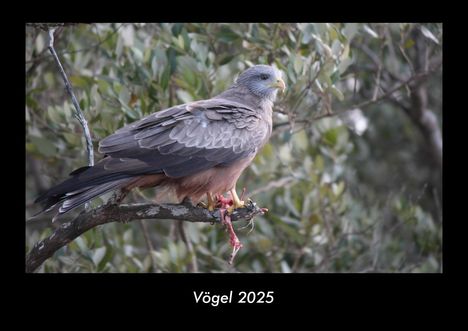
(236,202)
(211,202)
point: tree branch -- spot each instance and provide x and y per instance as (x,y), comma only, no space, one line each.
(109,213)
(78,113)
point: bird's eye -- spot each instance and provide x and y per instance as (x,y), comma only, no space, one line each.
(264,76)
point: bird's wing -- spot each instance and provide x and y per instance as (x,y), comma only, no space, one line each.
(186,139)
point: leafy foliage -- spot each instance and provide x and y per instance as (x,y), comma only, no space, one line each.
(354,192)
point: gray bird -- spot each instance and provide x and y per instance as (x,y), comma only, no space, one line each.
(196,148)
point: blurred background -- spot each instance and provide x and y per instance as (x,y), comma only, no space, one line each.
(352,176)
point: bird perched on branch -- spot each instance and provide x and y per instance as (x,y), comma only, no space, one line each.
(198,148)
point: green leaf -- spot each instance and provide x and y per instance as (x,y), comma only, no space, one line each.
(154,67)
(371,32)
(344,64)
(301,140)
(336,48)
(323,49)
(72,139)
(227,35)
(409,43)
(165,78)
(335,77)
(184,96)
(350,30)
(83,104)
(297,64)
(338,188)
(307,31)
(98,255)
(81,81)
(81,242)
(127,237)
(107,257)
(337,93)
(40,42)
(226,58)
(319,163)
(345,53)
(138,54)
(178,42)
(332,32)
(325,79)
(54,115)
(128,35)
(31,148)
(428,34)
(124,95)
(330,137)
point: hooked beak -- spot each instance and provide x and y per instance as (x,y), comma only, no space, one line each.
(279,84)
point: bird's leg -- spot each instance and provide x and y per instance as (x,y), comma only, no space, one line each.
(236,202)
(211,201)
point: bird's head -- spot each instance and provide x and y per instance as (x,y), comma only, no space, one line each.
(262,80)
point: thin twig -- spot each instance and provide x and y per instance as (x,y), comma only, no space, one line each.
(78,113)
(379,74)
(188,244)
(149,244)
(273,184)
(298,258)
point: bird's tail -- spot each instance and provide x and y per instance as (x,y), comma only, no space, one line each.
(84,184)
(70,200)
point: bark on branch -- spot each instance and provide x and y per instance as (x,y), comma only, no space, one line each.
(87,220)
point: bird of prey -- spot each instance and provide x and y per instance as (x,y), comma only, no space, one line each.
(198,148)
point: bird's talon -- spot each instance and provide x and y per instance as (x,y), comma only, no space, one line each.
(208,206)
(239,204)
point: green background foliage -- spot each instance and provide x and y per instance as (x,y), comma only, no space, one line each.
(349,176)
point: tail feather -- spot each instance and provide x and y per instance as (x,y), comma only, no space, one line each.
(84,184)
(75,199)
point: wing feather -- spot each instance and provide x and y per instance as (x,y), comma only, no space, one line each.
(185,139)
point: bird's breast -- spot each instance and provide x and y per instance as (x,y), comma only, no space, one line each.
(216,180)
